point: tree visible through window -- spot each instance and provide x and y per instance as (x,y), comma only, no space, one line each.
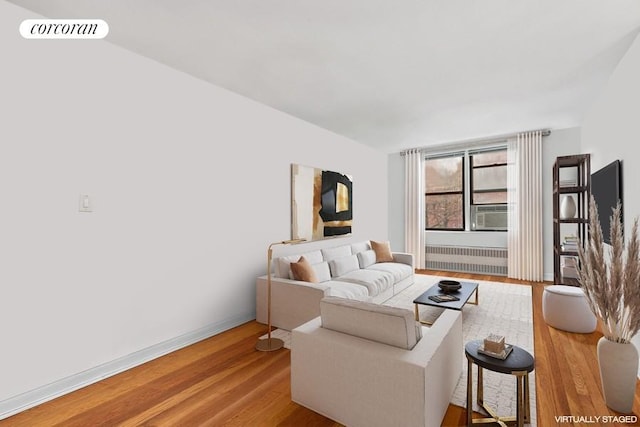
(444,193)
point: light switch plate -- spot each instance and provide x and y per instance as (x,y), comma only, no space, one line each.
(84,204)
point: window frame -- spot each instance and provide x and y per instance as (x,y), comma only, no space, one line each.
(467,191)
(462,192)
(472,191)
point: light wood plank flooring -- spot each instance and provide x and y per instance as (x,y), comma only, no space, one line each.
(223,381)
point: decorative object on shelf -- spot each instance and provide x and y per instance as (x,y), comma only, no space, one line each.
(269,343)
(567,207)
(570,243)
(612,287)
(570,266)
(448,286)
(321,203)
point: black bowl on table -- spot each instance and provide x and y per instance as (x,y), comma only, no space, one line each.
(448,286)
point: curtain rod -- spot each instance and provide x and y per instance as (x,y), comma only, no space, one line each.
(470,143)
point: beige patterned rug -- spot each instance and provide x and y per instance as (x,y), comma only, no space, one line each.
(503,309)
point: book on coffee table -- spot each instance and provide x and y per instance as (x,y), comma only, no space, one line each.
(443,298)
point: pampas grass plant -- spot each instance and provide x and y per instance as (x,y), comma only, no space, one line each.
(611,281)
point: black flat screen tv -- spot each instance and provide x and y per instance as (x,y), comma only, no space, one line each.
(606,188)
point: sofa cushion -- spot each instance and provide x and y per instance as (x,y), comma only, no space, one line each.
(356,248)
(341,266)
(399,271)
(283,263)
(347,290)
(322,271)
(388,325)
(382,250)
(375,281)
(329,254)
(302,270)
(366,258)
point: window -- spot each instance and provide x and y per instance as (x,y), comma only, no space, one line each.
(444,193)
(472,182)
(489,177)
(488,190)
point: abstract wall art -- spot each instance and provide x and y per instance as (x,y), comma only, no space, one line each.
(321,203)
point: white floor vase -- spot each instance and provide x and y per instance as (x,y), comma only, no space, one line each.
(618,373)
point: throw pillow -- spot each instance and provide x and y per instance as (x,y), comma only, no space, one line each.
(382,250)
(303,271)
(322,271)
(367,258)
(283,264)
(330,254)
(360,247)
(341,266)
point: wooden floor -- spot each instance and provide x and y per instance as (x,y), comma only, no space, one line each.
(223,381)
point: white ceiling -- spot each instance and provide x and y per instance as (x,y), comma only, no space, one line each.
(391,74)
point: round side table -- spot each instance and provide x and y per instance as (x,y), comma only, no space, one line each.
(518,363)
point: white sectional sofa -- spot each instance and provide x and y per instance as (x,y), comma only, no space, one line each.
(346,270)
(369,365)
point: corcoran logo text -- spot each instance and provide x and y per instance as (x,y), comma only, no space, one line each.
(64,29)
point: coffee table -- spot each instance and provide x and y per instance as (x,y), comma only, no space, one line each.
(464,293)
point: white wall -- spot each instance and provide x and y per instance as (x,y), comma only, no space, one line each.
(396,198)
(610,131)
(560,142)
(190,184)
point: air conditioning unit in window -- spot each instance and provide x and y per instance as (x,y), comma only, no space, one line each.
(489,217)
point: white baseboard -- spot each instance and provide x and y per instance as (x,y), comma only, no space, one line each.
(35,397)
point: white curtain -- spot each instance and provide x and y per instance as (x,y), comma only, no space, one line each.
(414,215)
(524,183)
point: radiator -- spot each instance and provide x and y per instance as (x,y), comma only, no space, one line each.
(467,259)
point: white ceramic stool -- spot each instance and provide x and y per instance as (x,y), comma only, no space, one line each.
(565,307)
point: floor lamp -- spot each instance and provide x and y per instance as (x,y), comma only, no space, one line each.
(271,344)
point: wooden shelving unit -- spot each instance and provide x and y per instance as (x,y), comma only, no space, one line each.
(571,178)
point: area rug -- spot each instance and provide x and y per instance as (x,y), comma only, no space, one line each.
(503,309)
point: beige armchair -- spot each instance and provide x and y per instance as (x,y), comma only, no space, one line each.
(368,365)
